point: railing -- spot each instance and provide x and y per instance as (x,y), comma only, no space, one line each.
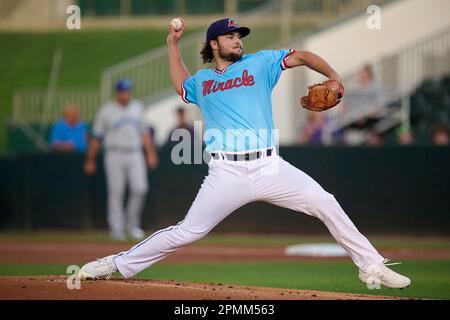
(149,72)
(30,105)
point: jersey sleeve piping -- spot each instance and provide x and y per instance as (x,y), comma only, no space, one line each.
(284,66)
(184,94)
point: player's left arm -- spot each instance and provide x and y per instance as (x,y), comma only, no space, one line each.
(150,150)
(313,62)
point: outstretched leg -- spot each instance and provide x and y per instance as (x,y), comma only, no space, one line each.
(224,190)
(291,188)
(282,184)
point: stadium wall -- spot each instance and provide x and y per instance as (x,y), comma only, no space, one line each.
(42,191)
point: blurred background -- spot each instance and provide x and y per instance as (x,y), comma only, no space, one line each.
(383,152)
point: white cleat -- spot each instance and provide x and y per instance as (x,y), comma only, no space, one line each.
(382,275)
(99,269)
(137,234)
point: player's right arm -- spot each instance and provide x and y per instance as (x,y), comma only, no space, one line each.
(89,165)
(178,71)
(98,132)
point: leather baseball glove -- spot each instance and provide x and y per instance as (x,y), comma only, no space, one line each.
(323,96)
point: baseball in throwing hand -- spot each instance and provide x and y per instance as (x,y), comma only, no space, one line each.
(176,24)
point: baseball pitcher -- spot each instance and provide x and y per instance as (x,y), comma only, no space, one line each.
(235,100)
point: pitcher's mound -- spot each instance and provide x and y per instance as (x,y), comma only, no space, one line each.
(55,287)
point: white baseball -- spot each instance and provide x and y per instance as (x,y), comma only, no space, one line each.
(176,24)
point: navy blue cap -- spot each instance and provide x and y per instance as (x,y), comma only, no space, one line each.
(224,26)
(124,85)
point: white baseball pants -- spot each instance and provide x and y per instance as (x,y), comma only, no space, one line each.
(122,168)
(232,184)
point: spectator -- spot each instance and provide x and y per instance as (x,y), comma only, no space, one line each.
(405,137)
(182,124)
(365,104)
(440,135)
(374,139)
(69,134)
(313,130)
(371,95)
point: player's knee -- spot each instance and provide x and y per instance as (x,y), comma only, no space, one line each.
(139,187)
(114,193)
(197,234)
(139,191)
(190,235)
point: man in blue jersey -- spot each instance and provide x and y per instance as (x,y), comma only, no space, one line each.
(235,100)
(69,134)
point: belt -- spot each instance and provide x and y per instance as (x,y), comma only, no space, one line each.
(243,156)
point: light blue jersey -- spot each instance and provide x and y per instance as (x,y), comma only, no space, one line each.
(236,103)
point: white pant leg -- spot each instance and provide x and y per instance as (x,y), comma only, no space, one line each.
(224,190)
(291,188)
(116,181)
(137,178)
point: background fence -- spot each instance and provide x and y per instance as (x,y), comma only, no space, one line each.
(34,105)
(391,189)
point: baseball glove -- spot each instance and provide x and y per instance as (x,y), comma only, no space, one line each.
(323,96)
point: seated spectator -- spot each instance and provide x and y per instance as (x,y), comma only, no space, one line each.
(374,139)
(405,137)
(314,131)
(366,102)
(440,135)
(69,134)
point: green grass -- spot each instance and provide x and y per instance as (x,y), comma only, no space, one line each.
(281,240)
(31,269)
(391,242)
(430,279)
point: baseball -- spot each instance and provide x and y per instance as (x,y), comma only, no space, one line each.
(176,24)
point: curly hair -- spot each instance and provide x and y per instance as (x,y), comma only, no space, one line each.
(207,53)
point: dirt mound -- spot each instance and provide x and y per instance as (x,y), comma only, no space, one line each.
(55,288)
